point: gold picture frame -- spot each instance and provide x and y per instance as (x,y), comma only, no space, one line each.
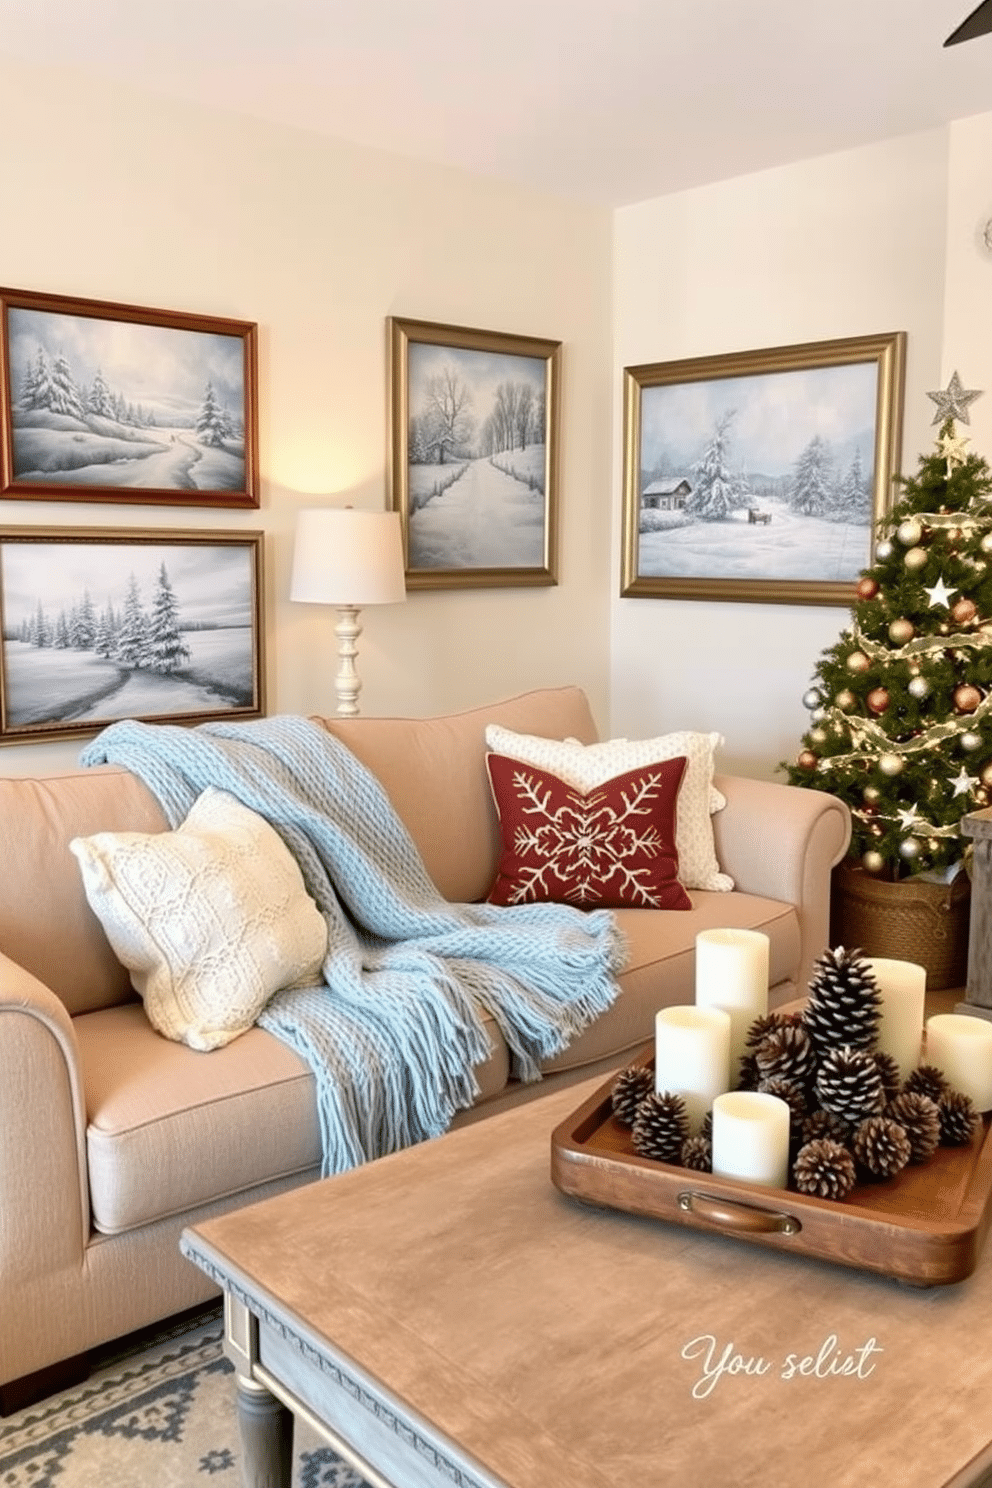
(99,624)
(473,457)
(788,514)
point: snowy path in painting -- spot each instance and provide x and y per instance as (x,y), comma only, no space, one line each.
(147,694)
(485,520)
(790,546)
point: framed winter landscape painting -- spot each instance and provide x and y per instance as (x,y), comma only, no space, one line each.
(104,402)
(473,422)
(760,476)
(99,624)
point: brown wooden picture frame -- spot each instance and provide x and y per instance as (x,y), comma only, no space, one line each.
(119,403)
(99,624)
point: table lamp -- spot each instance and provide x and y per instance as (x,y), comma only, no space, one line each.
(347,558)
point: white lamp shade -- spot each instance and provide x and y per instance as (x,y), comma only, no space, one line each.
(347,557)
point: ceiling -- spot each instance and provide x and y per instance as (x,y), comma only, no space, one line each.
(610,101)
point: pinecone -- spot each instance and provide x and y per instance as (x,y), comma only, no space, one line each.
(881,1147)
(824,1168)
(820,1124)
(707,1127)
(769,1023)
(791,1092)
(849,1085)
(958,1118)
(629,1089)
(889,1070)
(748,1075)
(788,1051)
(697,1153)
(844,1005)
(660,1127)
(919,1118)
(927,1079)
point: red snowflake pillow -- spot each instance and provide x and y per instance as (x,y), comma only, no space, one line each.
(607,848)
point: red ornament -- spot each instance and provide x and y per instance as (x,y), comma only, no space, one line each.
(867,588)
(807,760)
(963,611)
(878,700)
(966,698)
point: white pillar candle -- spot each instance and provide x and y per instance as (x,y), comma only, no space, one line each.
(961,1046)
(732,973)
(692,1057)
(751,1138)
(903,986)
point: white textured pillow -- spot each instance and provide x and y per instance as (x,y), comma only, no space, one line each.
(586,766)
(210,920)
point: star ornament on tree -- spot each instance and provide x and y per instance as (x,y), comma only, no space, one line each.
(963,782)
(951,446)
(939,593)
(952,402)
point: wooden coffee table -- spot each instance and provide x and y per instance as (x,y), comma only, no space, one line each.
(446,1317)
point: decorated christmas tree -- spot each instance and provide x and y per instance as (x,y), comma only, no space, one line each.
(901,705)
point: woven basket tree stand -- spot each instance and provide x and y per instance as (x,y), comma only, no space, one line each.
(910,920)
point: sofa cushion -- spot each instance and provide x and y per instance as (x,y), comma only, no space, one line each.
(434,772)
(608,847)
(210,920)
(54,934)
(169,1129)
(661,968)
(588,766)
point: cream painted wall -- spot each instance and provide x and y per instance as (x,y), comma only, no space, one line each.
(968,294)
(844,245)
(120,196)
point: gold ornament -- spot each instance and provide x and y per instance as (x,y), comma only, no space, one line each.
(909,532)
(872,861)
(963,611)
(918,687)
(846,700)
(986,543)
(871,793)
(806,760)
(890,764)
(986,775)
(857,662)
(901,631)
(818,735)
(966,698)
(971,741)
(915,559)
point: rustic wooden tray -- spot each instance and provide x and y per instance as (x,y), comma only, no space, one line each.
(926,1226)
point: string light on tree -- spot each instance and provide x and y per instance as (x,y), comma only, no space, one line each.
(901,704)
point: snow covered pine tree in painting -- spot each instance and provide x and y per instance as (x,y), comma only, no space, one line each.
(107,404)
(94,631)
(775,475)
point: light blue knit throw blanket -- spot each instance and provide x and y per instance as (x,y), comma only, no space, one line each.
(394,1031)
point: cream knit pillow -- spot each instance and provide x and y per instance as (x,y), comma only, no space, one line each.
(586,766)
(210,920)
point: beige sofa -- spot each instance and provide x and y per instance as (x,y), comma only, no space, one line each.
(112,1138)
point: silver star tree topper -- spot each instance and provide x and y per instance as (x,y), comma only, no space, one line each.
(952,401)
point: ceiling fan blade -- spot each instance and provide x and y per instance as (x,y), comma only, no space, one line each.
(978,23)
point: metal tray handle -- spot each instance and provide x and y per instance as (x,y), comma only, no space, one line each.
(730,1214)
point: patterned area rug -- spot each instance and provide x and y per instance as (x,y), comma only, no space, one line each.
(162,1416)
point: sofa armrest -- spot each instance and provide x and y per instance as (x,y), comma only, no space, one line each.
(782,842)
(44,1212)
